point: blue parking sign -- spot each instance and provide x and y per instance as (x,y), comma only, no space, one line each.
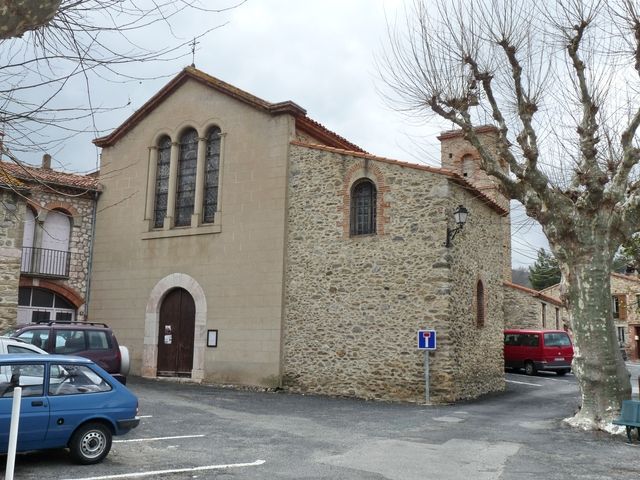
(426,339)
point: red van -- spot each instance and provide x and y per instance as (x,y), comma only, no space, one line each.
(536,350)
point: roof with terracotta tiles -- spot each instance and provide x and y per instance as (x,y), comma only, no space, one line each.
(303,122)
(9,181)
(29,175)
(450,174)
(534,293)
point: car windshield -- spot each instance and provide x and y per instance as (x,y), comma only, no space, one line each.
(558,339)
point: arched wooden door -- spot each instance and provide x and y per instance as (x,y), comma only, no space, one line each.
(175,334)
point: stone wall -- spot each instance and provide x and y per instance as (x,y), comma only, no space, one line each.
(11,227)
(353,305)
(524,309)
(80,208)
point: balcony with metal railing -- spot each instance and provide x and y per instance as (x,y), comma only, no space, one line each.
(45,262)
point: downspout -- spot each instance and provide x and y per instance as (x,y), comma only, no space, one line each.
(90,263)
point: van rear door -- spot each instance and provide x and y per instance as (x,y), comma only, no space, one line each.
(557,349)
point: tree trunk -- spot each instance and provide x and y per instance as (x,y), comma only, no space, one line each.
(598,364)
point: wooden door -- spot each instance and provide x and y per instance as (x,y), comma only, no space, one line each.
(175,334)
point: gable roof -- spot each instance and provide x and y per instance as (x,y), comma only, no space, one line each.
(534,293)
(28,174)
(303,122)
(450,174)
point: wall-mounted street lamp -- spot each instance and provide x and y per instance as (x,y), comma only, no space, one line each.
(460,216)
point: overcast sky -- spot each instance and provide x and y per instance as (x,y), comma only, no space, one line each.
(320,54)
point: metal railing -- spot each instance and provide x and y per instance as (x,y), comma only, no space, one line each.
(43,261)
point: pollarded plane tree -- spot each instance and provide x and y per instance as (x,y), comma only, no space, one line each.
(559,80)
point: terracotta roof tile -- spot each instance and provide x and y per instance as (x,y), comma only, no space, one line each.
(29,174)
(453,176)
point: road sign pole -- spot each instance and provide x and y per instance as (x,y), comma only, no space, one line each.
(426,376)
(13,433)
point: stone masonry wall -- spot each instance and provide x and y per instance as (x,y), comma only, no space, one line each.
(11,227)
(354,305)
(524,310)
(81,210)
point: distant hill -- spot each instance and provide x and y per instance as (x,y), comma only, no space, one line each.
(520,276)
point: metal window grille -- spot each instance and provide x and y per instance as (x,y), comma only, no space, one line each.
(186,184)
(363,208)
(162,182)
(212,172)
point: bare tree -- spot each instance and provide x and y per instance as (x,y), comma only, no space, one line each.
(559,80)
(54,52)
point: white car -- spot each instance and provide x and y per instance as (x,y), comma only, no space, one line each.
(15,345)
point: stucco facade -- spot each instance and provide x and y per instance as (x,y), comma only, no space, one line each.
(282,294)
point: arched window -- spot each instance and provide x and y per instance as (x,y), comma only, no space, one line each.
(480,304)
(27,240)
(53,257)
(212,170)
(363,208)
(40,305)
(186,184)
(162,181)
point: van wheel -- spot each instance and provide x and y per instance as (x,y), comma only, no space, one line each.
(90,443)
(561,373)
(529,368)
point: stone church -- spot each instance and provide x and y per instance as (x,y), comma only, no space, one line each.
(239,241)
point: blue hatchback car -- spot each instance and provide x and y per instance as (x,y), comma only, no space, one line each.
(67,402)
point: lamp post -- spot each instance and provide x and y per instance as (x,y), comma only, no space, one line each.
(460,216)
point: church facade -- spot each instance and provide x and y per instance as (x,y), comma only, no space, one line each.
(239,241)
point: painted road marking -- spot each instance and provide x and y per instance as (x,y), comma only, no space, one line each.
(524,383)
(178,470)
(155,439)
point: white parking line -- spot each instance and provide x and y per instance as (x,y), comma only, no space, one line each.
(178,470)
(524,383)
(155,439)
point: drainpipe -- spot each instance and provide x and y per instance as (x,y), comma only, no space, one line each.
(90,263)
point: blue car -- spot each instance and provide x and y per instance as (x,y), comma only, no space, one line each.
(67,402)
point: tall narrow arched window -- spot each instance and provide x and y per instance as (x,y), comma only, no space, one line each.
(480,313)
(363,208)
(162,181)
(212,171)
(186,181)
(53,257)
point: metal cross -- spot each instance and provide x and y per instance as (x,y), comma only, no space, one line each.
(193,52)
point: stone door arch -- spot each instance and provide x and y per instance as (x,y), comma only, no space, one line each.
(152,322)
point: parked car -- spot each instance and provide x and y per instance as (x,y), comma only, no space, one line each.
(67,402)
(536,350)
(16,345)
(95,341)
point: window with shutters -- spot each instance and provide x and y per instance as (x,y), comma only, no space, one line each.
(619,307)
(363,208)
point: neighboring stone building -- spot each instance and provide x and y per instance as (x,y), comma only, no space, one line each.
(46,247)
(245,243)
(527,308)
(625,302)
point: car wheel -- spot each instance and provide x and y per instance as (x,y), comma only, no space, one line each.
(124,361)
(90,443)
(560,373)
(529,368)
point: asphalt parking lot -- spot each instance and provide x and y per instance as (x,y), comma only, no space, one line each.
(205,432)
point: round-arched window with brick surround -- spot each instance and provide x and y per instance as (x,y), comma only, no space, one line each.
(480,312)
(363,208)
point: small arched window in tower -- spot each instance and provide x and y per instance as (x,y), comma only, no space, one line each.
(363,208)
(468,166)
(186,182)
(480,313)
(211,175)
(162,181)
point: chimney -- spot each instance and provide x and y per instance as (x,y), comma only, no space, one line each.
(46,162)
